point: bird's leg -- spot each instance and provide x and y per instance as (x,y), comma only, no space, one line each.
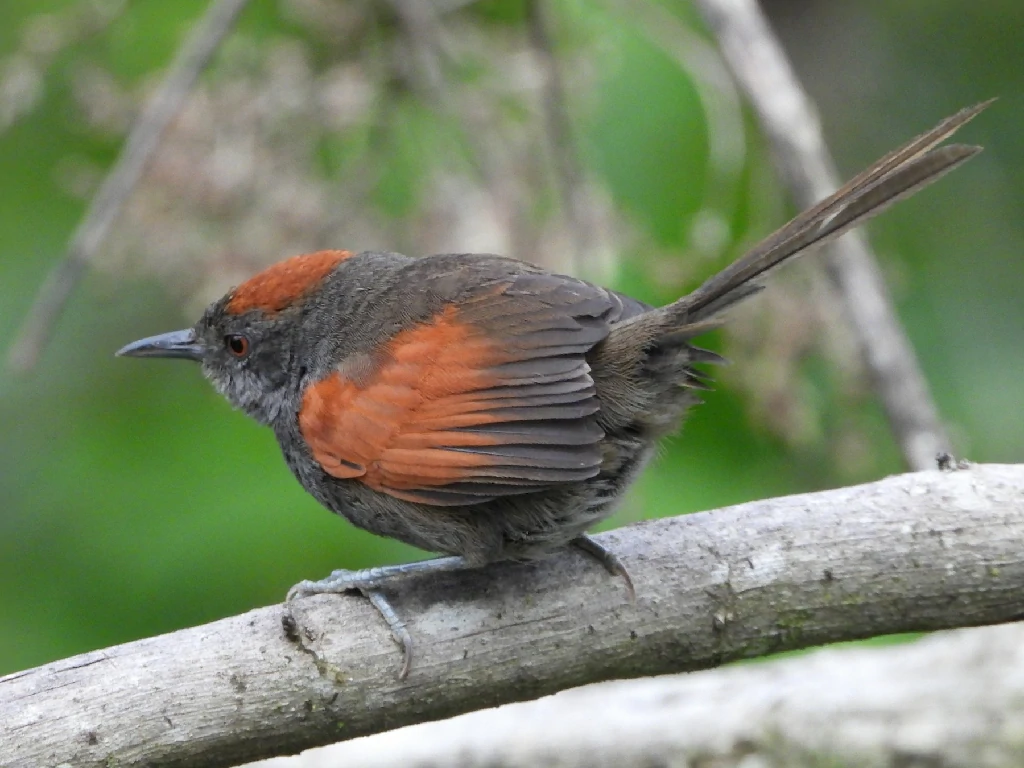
(343,580)
(606,558)
(368,582)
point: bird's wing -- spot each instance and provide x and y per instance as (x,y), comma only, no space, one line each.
(490,397)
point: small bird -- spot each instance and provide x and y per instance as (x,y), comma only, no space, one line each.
(480,406)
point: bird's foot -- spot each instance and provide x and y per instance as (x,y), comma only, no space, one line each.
(368,582)
(608,559)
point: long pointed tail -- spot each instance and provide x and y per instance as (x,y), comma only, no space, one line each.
(898,175)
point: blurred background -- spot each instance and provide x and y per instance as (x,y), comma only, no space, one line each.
(604,139)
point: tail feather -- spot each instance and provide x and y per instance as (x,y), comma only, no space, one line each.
(643,370)
(896,176)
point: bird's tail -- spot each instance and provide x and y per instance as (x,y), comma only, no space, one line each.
(643,370)
(898,175)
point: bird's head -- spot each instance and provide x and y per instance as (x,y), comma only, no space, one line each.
(250,341)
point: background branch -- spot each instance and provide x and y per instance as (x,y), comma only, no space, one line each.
(955,699)
(121,180)
(913,552)
(789,121)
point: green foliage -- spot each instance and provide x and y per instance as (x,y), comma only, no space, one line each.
(648,137)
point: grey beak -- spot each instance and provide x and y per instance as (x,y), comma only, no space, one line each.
(174,344)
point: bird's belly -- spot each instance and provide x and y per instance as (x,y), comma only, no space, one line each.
(512,528)
(523,527)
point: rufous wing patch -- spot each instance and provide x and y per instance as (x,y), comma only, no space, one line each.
(281,284)
(448,417)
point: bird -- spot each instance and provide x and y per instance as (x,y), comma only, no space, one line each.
(479,406)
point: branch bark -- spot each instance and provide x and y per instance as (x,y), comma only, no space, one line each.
(920,551)
(954,700)
(791,125)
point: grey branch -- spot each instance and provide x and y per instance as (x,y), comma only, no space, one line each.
(955,699)
(142,141)
(789,121)
(929,550)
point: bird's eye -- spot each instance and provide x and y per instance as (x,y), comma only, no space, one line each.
(237,344)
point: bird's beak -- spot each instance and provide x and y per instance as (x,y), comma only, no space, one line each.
(174,344)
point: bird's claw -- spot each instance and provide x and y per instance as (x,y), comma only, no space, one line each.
(366,582)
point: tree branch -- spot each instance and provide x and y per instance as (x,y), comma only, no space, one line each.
(955,699)
(791,125)
(106,205)
(920,551)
